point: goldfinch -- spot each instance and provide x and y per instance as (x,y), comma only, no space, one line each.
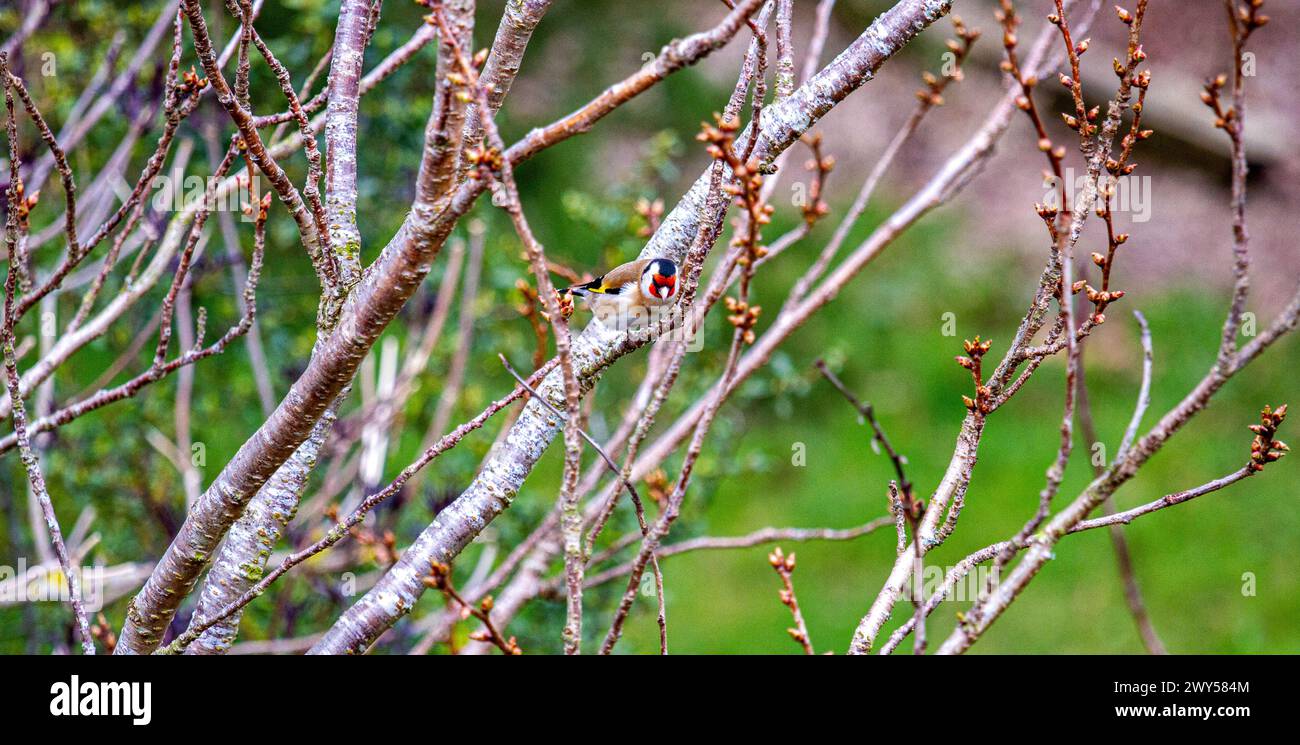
(629,291)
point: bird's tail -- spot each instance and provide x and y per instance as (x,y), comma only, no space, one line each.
(581,290)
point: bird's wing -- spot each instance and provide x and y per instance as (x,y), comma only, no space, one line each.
(624,273)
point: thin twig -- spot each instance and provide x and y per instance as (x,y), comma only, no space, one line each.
(30,462)
(784,566)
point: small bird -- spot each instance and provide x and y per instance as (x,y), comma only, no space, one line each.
(631,290)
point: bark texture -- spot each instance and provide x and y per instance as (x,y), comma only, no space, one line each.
(373,303)
(505,470)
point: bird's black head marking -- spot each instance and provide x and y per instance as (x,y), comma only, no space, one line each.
(659,279)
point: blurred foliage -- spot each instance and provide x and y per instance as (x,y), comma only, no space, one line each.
(883,335)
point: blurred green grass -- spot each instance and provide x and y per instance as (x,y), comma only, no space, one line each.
(1190,560)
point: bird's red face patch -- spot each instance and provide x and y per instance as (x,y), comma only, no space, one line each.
(664,286)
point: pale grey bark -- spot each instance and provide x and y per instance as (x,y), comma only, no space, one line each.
(341,137)
(243,557)
(518,22)
(372,304)
(506,469)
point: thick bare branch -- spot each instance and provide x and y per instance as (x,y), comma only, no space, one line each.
(505,470)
